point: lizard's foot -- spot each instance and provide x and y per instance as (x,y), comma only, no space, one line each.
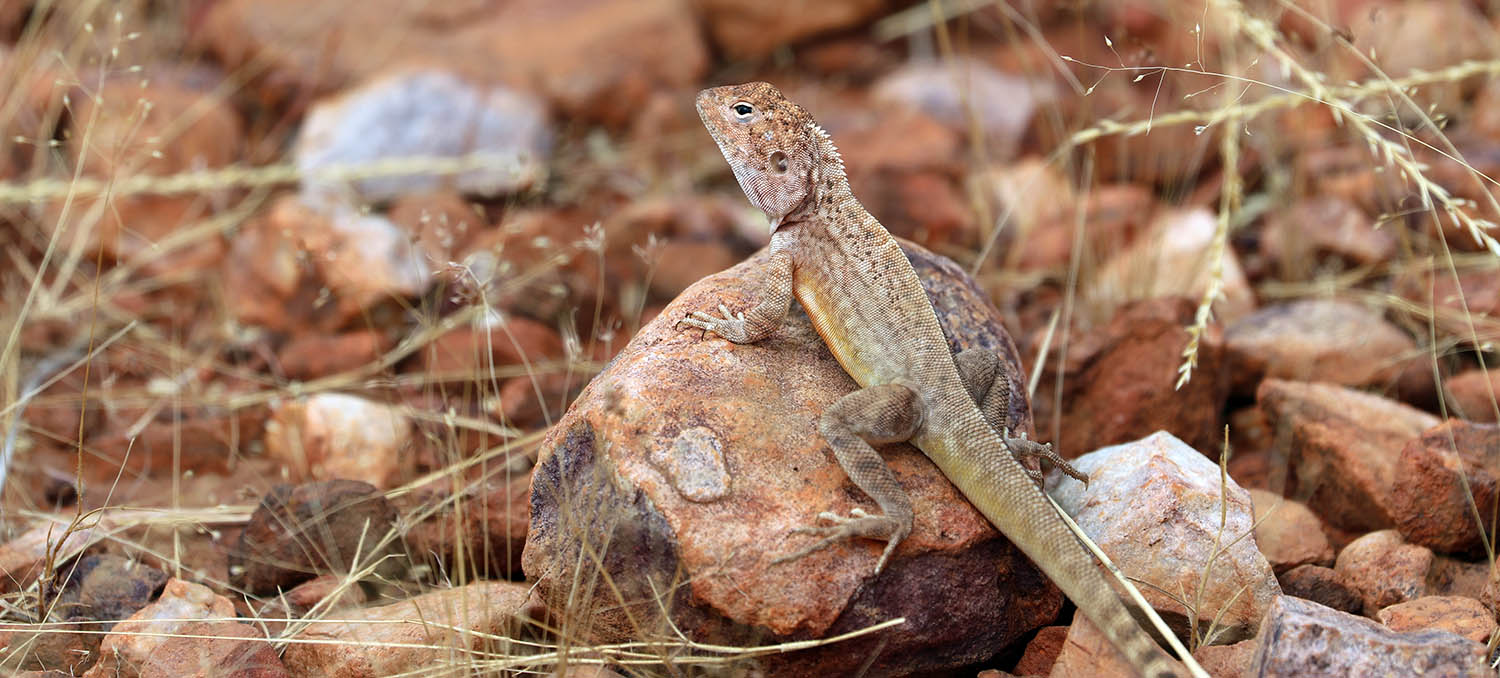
(1025,447)
(857,524)
(730,325)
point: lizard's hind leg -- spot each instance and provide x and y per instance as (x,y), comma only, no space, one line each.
(879,414)
(996,385)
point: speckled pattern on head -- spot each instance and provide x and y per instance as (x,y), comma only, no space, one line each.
(866,302)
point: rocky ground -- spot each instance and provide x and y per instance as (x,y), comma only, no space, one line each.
(336,339)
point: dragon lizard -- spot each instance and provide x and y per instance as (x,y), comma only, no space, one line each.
(869,307)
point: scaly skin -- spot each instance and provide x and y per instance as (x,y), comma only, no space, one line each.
(868,305)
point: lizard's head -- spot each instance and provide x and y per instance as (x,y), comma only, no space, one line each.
(771,144)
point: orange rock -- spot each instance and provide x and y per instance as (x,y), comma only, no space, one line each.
(481,532)
(513,340)
(1439,474)
(442,221)
(1473,394)
(1295,236)
(1343,447)
(694,458)
(1384,570)
(1324,340)
(135,640)
(333,435)
(229,650)
(1466,617)
(1288,533)
(312,355)
(1041,653)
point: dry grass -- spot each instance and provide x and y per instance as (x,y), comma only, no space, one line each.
(52,278)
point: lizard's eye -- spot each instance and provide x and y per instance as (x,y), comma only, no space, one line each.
(778,162)
(743,111)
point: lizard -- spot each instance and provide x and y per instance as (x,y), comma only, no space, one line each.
(867,304)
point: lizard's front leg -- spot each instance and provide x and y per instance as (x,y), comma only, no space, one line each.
(762,319)
(995,385)
(879,414)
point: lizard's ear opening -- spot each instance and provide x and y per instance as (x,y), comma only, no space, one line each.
(778,162)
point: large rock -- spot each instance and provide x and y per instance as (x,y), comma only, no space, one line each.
(1288,533)
(1153,506)
(424,112)
(689,461)
(1342,448)
(1303,638)
(1441,473)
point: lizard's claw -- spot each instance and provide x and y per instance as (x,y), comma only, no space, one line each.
(857,524)
(1025,447)
(727,325)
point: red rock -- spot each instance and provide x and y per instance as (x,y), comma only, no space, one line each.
(1384,570)
(672,389)
(359,645)
(1303,638)
(1041,653)
(204,438)
(1321,585)
(1439,473)
(443,222)
(537,264)
(425,111)
(1317,340)
(1250,448)
(1343,447)
(753,31)
(1472,394)
(323,595)
(1086,652)
(518,404)
(313,355)
(511,340)
(1172,258)
(1295,237)
(299,532)
(167,127)
(947,90)
(1466,617)
(594,61)
(481,532)
(1453,577)
(135,640)
(1118,382)
(1226,661)
(897,140)
(1154,506)
(1389,35)
(232,650)
(1288,533)
(286,263)
(681,263)
(333,435)
(1348,173)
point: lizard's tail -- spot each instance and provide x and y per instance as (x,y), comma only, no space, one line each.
(976,460)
